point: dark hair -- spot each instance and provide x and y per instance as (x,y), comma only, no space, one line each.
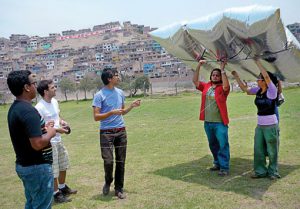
(215,69)
(273,78)
(106,74)
(16,81)
(43,85)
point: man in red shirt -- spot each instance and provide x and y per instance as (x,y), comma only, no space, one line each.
(214,114)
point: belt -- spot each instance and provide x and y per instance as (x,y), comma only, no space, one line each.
(112,130)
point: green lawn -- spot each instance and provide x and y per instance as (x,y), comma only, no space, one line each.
(168,156)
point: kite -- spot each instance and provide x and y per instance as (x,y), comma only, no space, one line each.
(238,35)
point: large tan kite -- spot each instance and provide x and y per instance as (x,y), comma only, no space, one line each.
(238,35)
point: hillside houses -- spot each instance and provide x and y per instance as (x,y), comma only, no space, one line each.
(128,48)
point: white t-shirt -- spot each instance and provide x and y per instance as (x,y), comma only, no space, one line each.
(50,111)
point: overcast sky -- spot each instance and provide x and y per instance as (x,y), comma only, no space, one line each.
(41,17)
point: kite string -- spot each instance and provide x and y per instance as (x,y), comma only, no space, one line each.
(241,59)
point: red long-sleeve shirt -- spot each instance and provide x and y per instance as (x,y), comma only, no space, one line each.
(220,96)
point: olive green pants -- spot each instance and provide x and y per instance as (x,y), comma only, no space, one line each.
(266,143)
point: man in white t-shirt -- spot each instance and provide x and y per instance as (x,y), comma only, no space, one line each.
(49,110)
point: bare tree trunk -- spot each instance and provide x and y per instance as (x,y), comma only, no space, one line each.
(66,96)
(134,92)
(130,89)
(144,89)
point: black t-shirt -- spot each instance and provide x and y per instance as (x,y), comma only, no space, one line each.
(265,106)
(25,122)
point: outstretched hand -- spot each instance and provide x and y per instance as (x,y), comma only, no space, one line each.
(201,62)
(234,73)
(136,103)
(223,63)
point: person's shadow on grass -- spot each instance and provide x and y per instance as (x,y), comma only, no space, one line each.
(238,181)
(103,198)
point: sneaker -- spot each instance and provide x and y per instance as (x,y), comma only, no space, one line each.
(255,176)
(120,194)
(105,189)
(67,190)
(274,177)
(60,198)
(214,168)
(223,173)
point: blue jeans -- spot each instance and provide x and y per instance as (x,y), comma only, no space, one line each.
(217,135)
(38,185)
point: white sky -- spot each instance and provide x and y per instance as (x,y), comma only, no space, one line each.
(41,17)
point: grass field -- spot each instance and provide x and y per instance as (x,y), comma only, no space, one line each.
(168,157)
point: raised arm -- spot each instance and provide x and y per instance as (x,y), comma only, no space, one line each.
(279,87)
(272,89)
(240,83)
(263,71)
(226,86)
(197,72)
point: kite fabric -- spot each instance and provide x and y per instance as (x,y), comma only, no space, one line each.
(238,35)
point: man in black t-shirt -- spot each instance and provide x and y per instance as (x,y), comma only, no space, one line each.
(30,137)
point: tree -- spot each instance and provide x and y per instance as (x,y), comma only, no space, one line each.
(67,86)
(4,96)
(141,83)
(98,82)
(1,98)
(125,83)
(86,84)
